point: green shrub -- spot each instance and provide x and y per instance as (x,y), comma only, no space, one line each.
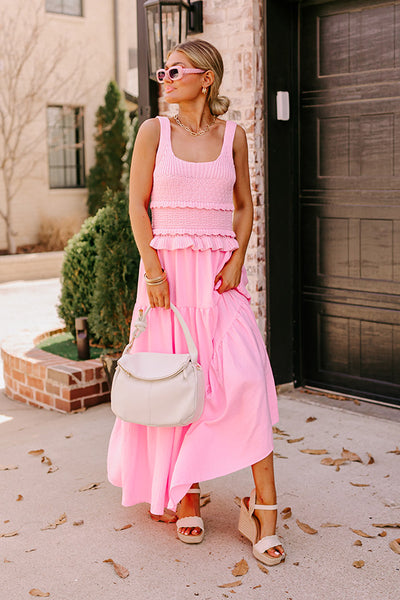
(78,273)
(111,144)
(116,267)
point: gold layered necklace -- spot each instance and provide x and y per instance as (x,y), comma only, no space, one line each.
(195,133)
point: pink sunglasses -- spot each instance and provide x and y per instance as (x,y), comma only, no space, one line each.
(175,73)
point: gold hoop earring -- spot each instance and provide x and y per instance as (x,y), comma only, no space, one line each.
(204,90)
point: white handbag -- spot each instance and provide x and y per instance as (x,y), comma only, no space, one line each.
(156,389)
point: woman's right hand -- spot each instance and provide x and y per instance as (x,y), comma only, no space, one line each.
(159,295)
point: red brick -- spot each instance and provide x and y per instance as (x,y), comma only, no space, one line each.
(66,406)
(35,382)
(89,374)
(16,396)
(52,389)
(105,387)
(80,392)
(94,400)
(26,391)
(44,398)
(18,375)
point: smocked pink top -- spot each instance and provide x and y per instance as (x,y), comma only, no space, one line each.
(192,203)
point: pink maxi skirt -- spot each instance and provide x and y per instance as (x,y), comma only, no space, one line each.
(158,465)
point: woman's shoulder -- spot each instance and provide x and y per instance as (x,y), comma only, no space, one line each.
(149,132)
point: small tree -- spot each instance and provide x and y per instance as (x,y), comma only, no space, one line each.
(111,143)
(117,267)
(78,279)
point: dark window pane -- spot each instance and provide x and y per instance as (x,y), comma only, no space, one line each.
(65,146)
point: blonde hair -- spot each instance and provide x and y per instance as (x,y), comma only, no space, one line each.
(204,55)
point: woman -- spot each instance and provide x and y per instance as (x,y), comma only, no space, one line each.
(193,169)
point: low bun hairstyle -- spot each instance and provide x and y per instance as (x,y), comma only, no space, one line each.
(204,55)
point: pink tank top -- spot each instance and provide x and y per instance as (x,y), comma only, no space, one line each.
(192,203)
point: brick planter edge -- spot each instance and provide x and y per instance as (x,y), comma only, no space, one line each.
(45,380)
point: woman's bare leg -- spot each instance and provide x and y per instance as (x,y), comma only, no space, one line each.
(263,474)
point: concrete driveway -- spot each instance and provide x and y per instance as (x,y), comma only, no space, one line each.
(66,560)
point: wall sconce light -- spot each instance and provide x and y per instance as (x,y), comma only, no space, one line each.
(168,23)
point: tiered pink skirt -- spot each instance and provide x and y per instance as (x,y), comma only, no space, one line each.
(158,465)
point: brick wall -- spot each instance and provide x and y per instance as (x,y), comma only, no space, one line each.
(46,380)
(236,29)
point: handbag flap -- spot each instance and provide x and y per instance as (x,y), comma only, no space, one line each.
(153,365)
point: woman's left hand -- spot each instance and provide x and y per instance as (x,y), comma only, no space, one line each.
(229,275)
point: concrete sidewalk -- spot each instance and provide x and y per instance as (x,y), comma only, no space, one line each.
(67,561)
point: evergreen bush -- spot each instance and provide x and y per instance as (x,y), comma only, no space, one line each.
(111,144)
(78,273)
(116,267)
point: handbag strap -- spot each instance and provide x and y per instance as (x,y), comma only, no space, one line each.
(141,324)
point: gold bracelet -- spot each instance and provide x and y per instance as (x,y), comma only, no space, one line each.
(156,280)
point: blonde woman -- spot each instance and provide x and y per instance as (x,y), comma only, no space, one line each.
(193,171)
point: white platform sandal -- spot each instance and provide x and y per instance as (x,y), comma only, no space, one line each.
(191,522)
(250,527)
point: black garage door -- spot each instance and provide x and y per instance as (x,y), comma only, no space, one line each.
(350,196)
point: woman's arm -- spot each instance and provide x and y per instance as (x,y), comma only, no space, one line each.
(141,183)
(230,274)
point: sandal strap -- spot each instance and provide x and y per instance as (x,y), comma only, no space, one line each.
(267,542)
(190,522)
(253,505)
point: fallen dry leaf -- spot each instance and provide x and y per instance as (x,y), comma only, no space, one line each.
(60,521)
(256,587)
(262,568)
(278,431)
(295,440)
(360,484)
(382,534)
(36,452)
(31,550)
(358,564)
(357,543)
(237,501)
(46,459)
(371,459)
(91,486)
(386,524)
(313,451)
(296,564)
(306,528)
(8,467)
(77,523)
(39,593)
(352,456)
(78,410)
(395,451)
(7,561)
(279,455)
(328,461)
(330,525)
(362,533)
(230,585)
(286,526)
(311,419)
(11,534)
(52,469)
(19,498)
(205,499)
(286,513)
(68,436)
(124,527)
(119,569)
(395,545)
(240,568)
